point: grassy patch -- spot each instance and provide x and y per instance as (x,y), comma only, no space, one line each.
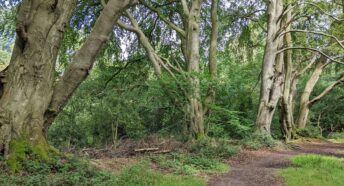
(139,174)
(188,164)
(204,156)
(314,170)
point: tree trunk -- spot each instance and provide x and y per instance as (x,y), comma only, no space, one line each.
(210,98)
(286,117)
(272,66)
(77,71)
(195,106)
(304,101)
(190,43)
(29,91)
(29,78)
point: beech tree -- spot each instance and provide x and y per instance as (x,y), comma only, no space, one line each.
(279,77)
(189,35)
(31,95)
(272,66)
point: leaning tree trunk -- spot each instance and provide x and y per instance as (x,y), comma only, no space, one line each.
(326,91)
(195,106)
(272,76)
(29,91)
(304,101)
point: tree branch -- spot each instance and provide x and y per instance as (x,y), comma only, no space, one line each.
(185,8)
(314,59)
(323,11)
(317,33)
(164,19)
(327,90)
(77,71)
(311,49)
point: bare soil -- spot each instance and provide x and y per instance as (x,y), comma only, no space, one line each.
(259,168)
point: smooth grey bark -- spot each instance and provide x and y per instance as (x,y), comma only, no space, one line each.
(272,76)
(77,71)
(304,100)
(286,111)
(151,53)
(210,98)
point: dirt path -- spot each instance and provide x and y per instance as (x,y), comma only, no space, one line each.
(259,168)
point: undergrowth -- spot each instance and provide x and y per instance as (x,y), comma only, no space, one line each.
(177,168)
(314,170)
(310,132)
(256,141)
(337,137)
(76,171)
(58,171)
(205,156)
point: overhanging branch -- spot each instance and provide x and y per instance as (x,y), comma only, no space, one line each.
(311,49)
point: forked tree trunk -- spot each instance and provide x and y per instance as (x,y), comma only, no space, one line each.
(190,43)
(30,99)
(272,76)
(29,78)
(304,113)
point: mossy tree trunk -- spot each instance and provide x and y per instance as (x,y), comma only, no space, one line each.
(31,98)
(29,79)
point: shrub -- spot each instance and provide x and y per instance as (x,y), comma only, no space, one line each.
(212,148)
(58,171)
(256,141)
(336,135)
(310,132)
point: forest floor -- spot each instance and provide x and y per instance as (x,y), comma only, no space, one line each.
(261,167)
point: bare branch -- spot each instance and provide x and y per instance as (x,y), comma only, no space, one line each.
(317,33)
(164,19)
(185,8)
(127,27)
(314,59)
(311,49)
(323,11)
(327,90)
